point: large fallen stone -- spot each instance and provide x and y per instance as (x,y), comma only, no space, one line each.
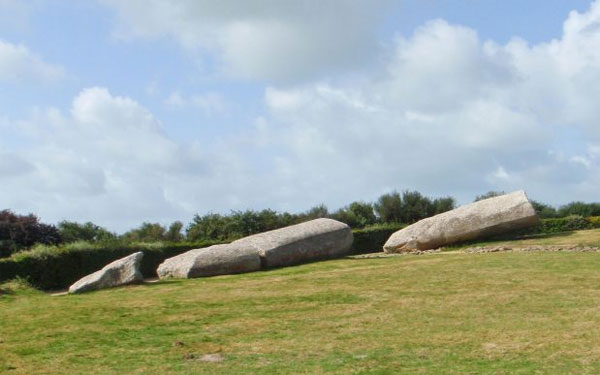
(120,272)
(313,240)
(211,261)
(484,218)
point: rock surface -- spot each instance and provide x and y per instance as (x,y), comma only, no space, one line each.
(483,218)
(313,240)
(120,272)
(211,261)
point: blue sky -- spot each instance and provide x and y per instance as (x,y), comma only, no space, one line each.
(121,112)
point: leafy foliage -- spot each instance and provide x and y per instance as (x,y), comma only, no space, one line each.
(579,208)
(410,207)
(356,215)
(371,239)
(20,232)
(389,207)
(489,194)
(70,231)
(57,267)
(544,211)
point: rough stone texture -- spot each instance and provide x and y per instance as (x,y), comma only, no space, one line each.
(120,272)
(295,244)
(487,217)
(313,240)
(211,261)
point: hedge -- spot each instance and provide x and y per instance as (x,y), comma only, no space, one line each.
(372,239)
(57,267)
(565,224)
(51,268)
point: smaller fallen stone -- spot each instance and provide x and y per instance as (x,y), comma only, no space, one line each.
(178,343)
(120,272)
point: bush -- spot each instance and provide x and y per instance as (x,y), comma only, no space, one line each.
(19,232)
(594,221)
(544,211)
(57,267)
(563,224)
(580,208)
(372,239)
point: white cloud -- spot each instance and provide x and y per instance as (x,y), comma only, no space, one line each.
(448,109)
(263,39)
(18,63)
(447,113)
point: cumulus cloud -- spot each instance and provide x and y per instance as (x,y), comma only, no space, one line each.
(110,160)
(18,63)
(106,159)
(446,113)
(453,113)
(266,39)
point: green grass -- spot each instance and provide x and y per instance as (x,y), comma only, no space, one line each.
(500,313)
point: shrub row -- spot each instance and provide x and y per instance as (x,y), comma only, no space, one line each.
(372,239)
(57,267)
(565,224)
(51,268)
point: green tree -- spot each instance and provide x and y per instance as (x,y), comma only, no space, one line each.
(489,194)
(174,232)
(544,211)
(209,227)
(147,232)
(71,231)
(389,207)
(415,206)
(579,208)
(356,214)
(19,232)
(441,205)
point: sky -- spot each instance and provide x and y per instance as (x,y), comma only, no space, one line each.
(123,112)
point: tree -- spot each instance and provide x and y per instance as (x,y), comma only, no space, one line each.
(489,194)
(415,206)
(441,205)
(315,212)
(389,208)
(71,231)
(209,227)
(19,232)
(147,232)
(579,208)
(174,232)
(544,211)
(356,214)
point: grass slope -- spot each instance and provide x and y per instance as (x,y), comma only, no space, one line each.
(499,313)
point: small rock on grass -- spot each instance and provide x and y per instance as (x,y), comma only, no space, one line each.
(214,357)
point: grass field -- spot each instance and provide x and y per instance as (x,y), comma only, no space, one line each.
(498,313)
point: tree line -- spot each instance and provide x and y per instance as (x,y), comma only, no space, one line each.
(18,232)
